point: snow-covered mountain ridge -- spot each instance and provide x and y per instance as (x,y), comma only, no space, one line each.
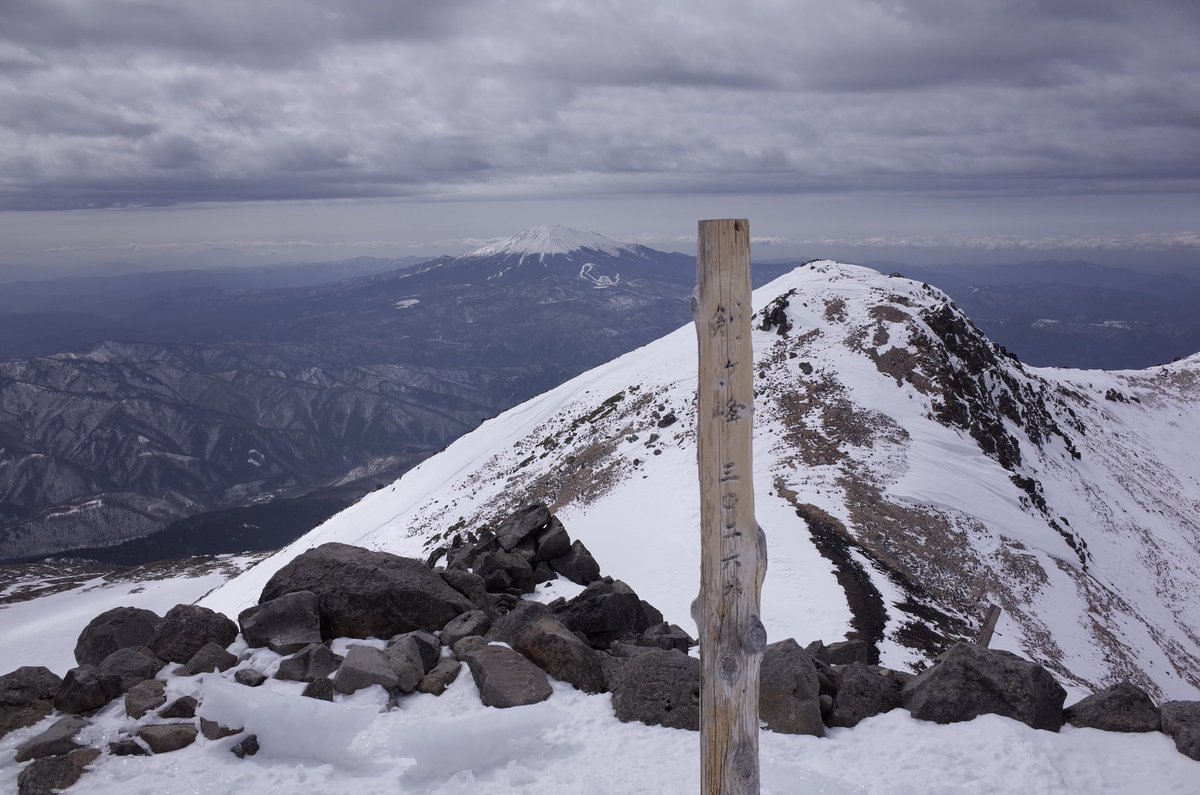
(907,472)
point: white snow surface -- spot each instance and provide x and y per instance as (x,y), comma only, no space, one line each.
(593,449)
(546,239)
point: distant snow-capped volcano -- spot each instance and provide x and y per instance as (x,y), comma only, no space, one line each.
(545,239)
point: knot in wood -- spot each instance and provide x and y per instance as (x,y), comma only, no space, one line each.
(755,636)
(728,670)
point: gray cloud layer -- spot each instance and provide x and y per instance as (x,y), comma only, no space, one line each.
(135,102)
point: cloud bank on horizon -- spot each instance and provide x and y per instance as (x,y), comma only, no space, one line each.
(120,103)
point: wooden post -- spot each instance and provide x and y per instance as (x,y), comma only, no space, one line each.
(989,626)
(733,553)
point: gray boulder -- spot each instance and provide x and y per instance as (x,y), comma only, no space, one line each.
(209,658)
(182,707)
(577,565)
(665,636)
(1181,722)
(473,588)
(473,622)
(465,646)
(26,696)
(168,737)
(249,677)
(505,678)
(128,746)
(443,674)
(132,665)
(284,625)
(521,524)
(406,664)
(969,681)
(552,541)
(213,730)
(502,571)
(312,662)
(320,689)
(186,629)
(57,740)
(425,644)
(85,689)
(845,652)
(788,690)
(362,593)
(533,630)
(364,666)
(247,747)
(54,773)
(661,688)
(114,629)
(862,693)
(1123,707)
(144,697)
(605,611)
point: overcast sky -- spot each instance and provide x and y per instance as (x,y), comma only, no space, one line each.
(299,129)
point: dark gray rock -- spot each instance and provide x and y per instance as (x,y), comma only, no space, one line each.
(502,571)
(182,707)
(320,689)
(132,665)
(1123,707)
(128,746)
(54,773)
(789,691)
(552,541)
(521,524)
(311,662)
(212,730)
(473,622)
(466,645)
(443,674)
(57,740)
(577,565)
(406,664)
(533,630)
(970,681)
(249,677)
(543,573)
(85,689)
(186,629)
(861,694)
(362,593)
(425,644)
(846,652)
(26,696)
(209,658)
(818,651)
(364,666)
(661,688)
(247,747)
(144,697)
(826,703)
(473,588)
(505,678)
(284,625)
(119,628)
(1181,722)
(167,737)
(665,636)
(605,611)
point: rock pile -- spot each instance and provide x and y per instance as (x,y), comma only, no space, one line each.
(433,622)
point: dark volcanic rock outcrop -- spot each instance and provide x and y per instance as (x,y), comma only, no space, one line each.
(364,594)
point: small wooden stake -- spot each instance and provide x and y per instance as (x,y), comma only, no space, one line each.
(733,553)
(989,626)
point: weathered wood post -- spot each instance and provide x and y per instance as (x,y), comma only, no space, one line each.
(989,626)
(733,555)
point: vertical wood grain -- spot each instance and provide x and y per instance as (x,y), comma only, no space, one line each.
(733,549)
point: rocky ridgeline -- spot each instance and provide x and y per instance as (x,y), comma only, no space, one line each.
(605,639)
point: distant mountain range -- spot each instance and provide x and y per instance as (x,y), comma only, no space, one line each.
(210,401)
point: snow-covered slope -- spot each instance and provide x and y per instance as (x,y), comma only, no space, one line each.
(546,239)
(907,473)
